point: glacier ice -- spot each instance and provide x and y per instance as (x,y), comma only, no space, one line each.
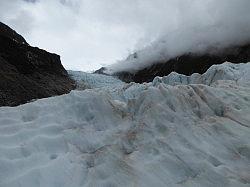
(90,81)
(176,131)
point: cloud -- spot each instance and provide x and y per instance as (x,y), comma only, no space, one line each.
(31,1)
(194,26)
(83,32)
(91,33)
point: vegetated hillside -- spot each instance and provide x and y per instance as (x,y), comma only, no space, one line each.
(186,64)
(27,72)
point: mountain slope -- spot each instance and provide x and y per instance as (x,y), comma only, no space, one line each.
(9,33)
(176,131)
(186,64)
(27,72)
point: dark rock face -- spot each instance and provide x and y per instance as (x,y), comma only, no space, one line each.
(27,72)
(187,64)
(11,34)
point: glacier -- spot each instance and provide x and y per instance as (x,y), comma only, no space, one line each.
(176,131)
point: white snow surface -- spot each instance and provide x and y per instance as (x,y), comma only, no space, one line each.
(176,131)
(90,81)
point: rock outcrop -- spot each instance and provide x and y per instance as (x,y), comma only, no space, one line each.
(186,64)
(28,73)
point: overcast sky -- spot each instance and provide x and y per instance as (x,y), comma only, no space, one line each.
(89,34)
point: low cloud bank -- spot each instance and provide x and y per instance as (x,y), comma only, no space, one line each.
(191,26)
(89,34)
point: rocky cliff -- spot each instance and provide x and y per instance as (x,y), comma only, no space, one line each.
(28,73)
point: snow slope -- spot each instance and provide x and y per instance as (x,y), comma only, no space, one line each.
(176,131)
(90,81)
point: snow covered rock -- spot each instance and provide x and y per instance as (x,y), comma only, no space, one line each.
(177,131)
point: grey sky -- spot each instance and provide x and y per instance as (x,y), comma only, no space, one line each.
(91,33)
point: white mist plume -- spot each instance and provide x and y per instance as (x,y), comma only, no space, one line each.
(89,34)
(190,26)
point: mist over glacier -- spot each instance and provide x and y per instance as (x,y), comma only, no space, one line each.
(190,27)
(100,33)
